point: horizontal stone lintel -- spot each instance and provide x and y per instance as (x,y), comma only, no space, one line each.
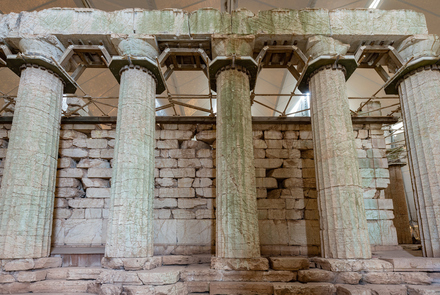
(212,120)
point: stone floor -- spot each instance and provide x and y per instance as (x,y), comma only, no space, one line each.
(389,272)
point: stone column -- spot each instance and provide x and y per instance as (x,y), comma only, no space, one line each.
(130,223)
(344,231)
(237,243)
(419,93)
(396,192)
(28,185)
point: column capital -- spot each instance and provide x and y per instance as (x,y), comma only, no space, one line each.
(425,53)
(135,53)
(43,52)
(325,52)
(233,52)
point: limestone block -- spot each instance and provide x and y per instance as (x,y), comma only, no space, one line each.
(166,182)
(309,288)
(283,153)
(93,143)
(303,144)
(423,290)
(86,203)
(371,289)
(295,204)
(292,183)
(161,276)
(240,288)
(15,288)
(72,134)
(191,203)
(178,288)
(266,182)
(206,192)
(66,163)
(31,276)
(282,173)
(162,214)
(273,232)
(296,214)
(288,263)
(68,192)
(257,134)
(394,278)
(295,163)
(202,182)
(105,173)
(239,263)
(71,173)
(352,278)
(167,144)
(176,192)
(64,144)
(93,213)
(185,182)
(76,153)
(194,163)
(108,289)
(174,134)
(414,264)
(196,145)
(260,172)
(165,231)
(103,134)
(315,275)
(271,204)
(259,153)
(119,277)
(206,172)
(204,153)
(93,163)
(67,182)
(259,144)
(5,278)
(303,232)
(274,144)
(19,264)
(141,263)
(164,203)
(177,172)
(273,134)
(165,163)
(48,262)
(341,265)
(207,136)
(94,182)
(80,142)
(183,214)
(77,231)
(105,153)
(205,214)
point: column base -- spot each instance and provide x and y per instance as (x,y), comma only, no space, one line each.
(259,263)
(132,263)
(353,264)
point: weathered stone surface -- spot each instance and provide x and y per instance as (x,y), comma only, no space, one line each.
(304,289)
(119,277)
(142,263)
(288,263)
(237,220)
(80,273)
(5,278)
(48,262)
(394,278)
(414,264)
(341,265)
(424,148)
(59,286)
(423,290)
(349,277)
(19,264)
(315,275)
(31,276)
(132,181)
(14,288)
(371,290)
(239,263)
(28,183)
(160,276)
(240,288)
(344,232)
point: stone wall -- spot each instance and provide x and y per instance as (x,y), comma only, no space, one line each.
(184,204)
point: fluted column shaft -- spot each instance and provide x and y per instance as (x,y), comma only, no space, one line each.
(237,219)
(130,224)
(344,232)
(28,185)
(420,102)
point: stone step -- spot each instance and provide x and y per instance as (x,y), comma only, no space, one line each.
(240,288)
(304,289)
(289,263)
(371,289)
